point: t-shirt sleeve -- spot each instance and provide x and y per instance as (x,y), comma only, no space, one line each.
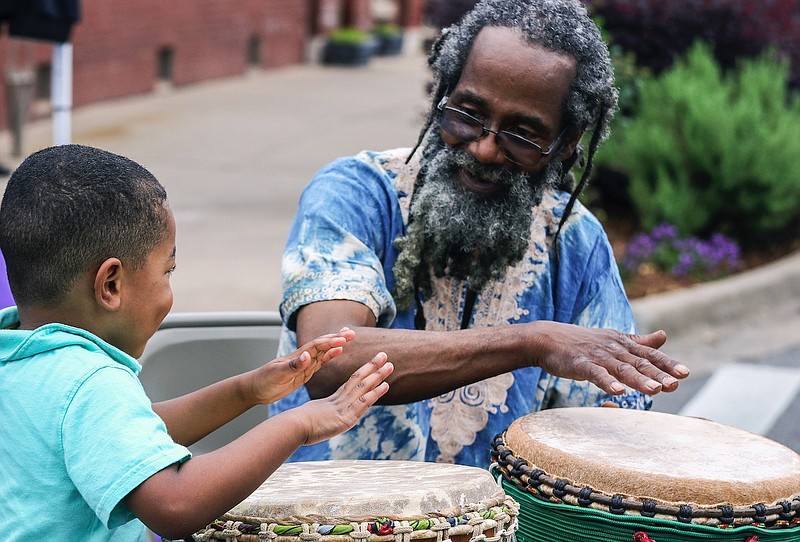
(346,222)
(113,441)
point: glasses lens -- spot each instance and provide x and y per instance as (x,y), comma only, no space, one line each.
(460,125)
(519,150)
(467,128)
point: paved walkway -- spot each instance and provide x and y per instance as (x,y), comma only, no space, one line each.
(235,154)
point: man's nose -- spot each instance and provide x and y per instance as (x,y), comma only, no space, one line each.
(486,150)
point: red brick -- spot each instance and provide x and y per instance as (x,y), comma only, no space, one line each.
(116,43)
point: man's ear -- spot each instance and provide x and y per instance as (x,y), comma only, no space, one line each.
(107,284)
(570,145)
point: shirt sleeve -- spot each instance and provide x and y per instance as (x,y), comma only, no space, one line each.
(113,441)
(346,222)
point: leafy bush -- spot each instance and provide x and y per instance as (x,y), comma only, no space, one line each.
(711,152)
(682,257)
(349,35)
(658,31)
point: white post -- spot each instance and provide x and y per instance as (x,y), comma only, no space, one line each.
(61,93)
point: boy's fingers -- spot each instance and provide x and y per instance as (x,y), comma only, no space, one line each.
(371,397)
(369,368)
(332,353)
(300,362)
(372,380)
(368,375)
(324,342)
(375,390)
(375,386)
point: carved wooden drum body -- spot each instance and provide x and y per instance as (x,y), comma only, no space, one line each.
(606,474)
(371,501)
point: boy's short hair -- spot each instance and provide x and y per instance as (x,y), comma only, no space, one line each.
(67,209)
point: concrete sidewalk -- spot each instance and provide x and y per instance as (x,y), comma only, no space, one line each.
(748,317)
(235,154)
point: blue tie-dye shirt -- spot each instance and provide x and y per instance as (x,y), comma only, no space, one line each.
(340,246)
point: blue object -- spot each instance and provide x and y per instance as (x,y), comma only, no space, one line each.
(6,299)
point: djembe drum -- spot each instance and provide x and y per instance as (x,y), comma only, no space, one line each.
(606,474)
(371,501)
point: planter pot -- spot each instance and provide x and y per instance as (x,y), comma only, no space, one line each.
(347,54)
(390,45)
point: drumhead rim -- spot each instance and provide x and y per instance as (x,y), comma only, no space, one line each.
(530,479)
(656,455)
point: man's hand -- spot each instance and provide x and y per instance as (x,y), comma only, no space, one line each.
(281,376)
(609,359)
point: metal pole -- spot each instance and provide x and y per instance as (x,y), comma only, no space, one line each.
(61,93)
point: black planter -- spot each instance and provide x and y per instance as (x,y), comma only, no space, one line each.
(347,54)
(390,45)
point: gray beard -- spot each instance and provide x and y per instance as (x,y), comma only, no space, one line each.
(457,233)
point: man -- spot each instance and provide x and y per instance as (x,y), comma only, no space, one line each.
(484,282)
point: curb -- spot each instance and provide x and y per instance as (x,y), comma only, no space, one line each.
(721,302)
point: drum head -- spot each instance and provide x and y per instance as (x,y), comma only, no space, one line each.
(371,501)
(651,455)
(347,491)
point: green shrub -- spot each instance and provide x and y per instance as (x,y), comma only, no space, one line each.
(348,35)
(709,152)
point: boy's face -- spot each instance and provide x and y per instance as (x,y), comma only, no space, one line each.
(147,295)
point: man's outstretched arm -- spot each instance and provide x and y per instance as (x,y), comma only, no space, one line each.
(429,363)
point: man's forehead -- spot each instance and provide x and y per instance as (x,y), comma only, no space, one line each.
(500,44)
(515,77)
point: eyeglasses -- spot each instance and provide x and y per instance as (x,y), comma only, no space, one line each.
(466,128)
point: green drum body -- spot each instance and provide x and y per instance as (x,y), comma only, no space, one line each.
(607,475)
(371,501)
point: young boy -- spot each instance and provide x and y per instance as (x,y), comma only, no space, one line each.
(89,242)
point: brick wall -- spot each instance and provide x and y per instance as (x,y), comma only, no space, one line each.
(123,47)
(117,45)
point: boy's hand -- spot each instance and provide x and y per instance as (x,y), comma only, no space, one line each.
(281,376)
(329,416)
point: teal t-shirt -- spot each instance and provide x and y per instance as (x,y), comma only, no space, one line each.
(78,433)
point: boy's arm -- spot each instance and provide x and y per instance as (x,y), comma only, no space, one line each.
(182,499)
(193,416)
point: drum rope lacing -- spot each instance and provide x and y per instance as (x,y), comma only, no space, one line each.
(528,478)
(498,514)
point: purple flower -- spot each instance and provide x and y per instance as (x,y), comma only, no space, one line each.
(641,246)
(664,231)
(686,262)
(682,256)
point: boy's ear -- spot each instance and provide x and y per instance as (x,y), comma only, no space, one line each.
(107,283)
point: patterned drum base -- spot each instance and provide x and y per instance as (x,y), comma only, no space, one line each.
(375,500)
